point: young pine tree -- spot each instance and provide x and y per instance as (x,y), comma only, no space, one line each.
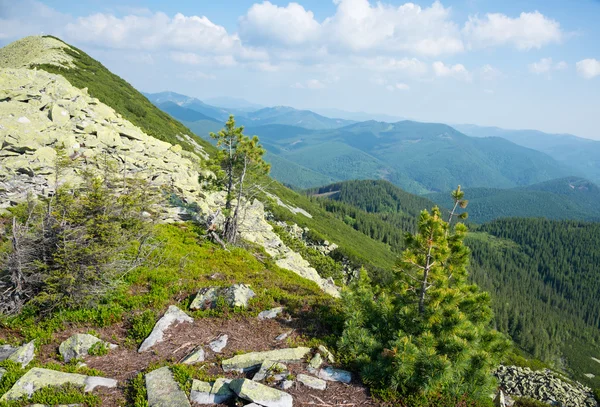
(239,158)
(429,333)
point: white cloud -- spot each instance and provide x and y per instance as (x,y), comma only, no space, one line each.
(410,66)
(546,65)
(359,26)
(191,58)
(268,23)
(489,73)
(457,71)
(401,86)
(588,68)
(309,84)
(529,30)
(156,31)
(28,17)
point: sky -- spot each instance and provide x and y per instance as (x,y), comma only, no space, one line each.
(527,64)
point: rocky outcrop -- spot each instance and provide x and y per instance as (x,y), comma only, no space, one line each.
(35,50)
(38,378)
(173,316)
(163,390)
(211,393)
(78,346)
(249,361)
(544,386)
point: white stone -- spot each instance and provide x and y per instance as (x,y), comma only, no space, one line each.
(173,316)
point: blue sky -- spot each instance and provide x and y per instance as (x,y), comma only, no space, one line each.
(512,64)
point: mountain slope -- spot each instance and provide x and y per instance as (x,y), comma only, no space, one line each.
(182,113)
(565,198)
(84,72)
(292,117)
(580,153)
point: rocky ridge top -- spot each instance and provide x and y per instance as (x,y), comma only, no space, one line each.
(35,50)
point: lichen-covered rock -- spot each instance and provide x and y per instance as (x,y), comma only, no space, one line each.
(312,382)
(335,375)
(315,362)
(543,385)
(270,368)
(38,378)
(270,314)
(211,393)
(249,361)
(325,352)
(218,344)
(163,390)
(260,394)
(173,316)
(78,346)
(237,295)
(22,354)
(197,356)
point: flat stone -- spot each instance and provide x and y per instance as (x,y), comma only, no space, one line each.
(283,336)
(335,375)
(196,356)
(78,346)
(211,393)
(260,394)
(38,378)
(325,352)
(163,390)
(59,115)
(286,384)
(23,354)
(173,316)
(312,382)
(248,361)
(218,344)
(267,367)
(270,314)
(316,361)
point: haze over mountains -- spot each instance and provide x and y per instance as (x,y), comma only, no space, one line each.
(307,149)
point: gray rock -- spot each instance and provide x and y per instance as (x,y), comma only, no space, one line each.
(211,393)
(218,344)
(173,316)
(78,346)
(325,352)
(268,367)
(249,361)
(270,314)
(286,384)
(237,295)
(316,361)
(38,378)
(22,354)
(283,336)
(196,356)
(260,394)
(335,375)
(312,382)
(163,390)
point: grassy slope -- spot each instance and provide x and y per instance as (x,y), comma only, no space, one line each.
(121,96)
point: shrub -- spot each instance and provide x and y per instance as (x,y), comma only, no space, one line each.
(528,402)
(141,325)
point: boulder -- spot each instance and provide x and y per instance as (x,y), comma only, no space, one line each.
(196,356)
(211,393)
(260,394)
(249,361)
(315,362)
(335,375)
(78,346)
(237,295)
(173,316)
(22,354)
(59,115)
(218,344)
(312,382)
(163,390)
(270,314)
(38,378)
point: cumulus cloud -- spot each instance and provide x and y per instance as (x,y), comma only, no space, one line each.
(457,71)
(267,23)
(28,17)
(529,30)
(588,68)
(409,66)
(546,65)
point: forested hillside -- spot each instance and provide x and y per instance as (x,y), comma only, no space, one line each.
(543,274)
(565,198)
